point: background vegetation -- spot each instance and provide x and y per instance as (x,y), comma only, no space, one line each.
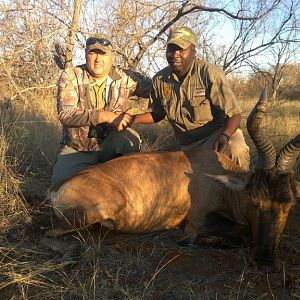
(257,45)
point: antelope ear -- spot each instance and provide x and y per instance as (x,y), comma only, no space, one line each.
(235,183)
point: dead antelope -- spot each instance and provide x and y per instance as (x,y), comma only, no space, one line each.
(145,192)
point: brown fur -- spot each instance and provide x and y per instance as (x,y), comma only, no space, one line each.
(141,192)
(145,192)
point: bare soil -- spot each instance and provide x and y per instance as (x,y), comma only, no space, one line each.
(111,265)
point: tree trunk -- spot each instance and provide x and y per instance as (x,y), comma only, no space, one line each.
(72,34)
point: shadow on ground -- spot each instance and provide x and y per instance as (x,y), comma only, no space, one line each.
(111,265)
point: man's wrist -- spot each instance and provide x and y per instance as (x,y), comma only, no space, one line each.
(104,117)
(226,135)
(134,120)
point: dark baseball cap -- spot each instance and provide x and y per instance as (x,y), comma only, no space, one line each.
(98,41)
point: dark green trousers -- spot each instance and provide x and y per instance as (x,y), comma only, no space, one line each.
(70,161)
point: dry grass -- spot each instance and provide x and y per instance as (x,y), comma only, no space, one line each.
(282,121)
(111,265)
(14,209)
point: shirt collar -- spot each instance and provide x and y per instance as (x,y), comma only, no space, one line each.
(190,73)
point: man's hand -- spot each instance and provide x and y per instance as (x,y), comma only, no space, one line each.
(222,145)
(122,121)
(119,120)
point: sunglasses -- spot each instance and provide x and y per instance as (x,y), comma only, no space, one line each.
(101,41)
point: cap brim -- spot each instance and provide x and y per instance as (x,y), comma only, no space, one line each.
(179,42)
(99,47)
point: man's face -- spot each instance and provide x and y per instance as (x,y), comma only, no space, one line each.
(99,62)
(180,59)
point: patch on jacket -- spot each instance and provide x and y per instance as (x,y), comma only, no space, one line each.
(167,91)
(199,92)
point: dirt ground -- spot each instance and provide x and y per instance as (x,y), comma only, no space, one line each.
(169,271)
(112,265)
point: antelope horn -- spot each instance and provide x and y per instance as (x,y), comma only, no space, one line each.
(287,157)
(265,149)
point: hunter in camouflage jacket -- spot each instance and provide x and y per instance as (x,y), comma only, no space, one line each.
(77,110)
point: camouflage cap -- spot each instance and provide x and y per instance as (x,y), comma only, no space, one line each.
(98,41)
(182,36)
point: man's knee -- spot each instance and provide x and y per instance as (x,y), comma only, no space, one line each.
(240,154)
(69,162)
(240,150)
(58,176)
(62,172)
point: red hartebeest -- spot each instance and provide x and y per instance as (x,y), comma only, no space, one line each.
(145,192)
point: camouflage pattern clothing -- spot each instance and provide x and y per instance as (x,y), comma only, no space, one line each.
(80,101)
(197,107)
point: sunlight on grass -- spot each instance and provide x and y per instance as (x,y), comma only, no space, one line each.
(110,266)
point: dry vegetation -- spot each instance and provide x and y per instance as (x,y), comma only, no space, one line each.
(111,265)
